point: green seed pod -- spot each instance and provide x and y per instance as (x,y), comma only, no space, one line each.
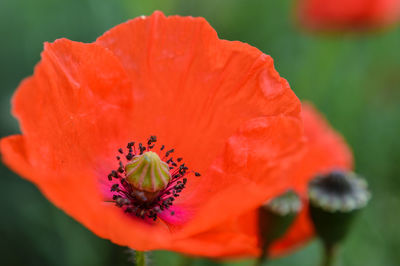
(147,172)
(276,216)
(334,200)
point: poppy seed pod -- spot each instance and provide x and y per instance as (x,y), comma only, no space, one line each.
(147,172)
(335,199)
(276,216)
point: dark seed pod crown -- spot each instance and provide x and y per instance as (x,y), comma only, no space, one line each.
(339,192)
(335,200)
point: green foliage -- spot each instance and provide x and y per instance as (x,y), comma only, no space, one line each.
(353,79)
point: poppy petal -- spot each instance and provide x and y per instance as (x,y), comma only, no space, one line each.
(188,81)
(255,159)
(224,240)
(178,63)
(74,87)
(325,151)
(14,154)
(71,131)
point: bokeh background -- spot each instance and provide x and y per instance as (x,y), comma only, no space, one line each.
(354,79)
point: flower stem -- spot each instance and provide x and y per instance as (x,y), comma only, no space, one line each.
(330,255)
(262,260)
(140,258)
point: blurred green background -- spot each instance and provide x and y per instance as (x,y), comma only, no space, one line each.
(353,79)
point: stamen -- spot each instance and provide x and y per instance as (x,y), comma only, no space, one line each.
(147,185)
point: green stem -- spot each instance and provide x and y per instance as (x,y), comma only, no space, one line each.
(330,255)
(261,261)
(263,258)
(140,258)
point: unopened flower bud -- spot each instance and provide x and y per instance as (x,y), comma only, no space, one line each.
(276,216)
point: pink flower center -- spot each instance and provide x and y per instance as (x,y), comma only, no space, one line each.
(136,185)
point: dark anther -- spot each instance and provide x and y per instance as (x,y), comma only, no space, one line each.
(130,145)
(141,148)
(179,160)
(169,152)
(151,140)
(162,147)
(197,174)
(129,156)
(120,169)
(114,174)
(172,213)
(114,187)
(109,177)
(120,150)
(122,201)
(118,158)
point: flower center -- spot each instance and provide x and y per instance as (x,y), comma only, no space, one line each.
(144,184)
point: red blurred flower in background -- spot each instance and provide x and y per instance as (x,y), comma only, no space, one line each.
(347,14)
(221,105)
(325,151)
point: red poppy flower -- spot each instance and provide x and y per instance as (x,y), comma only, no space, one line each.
(348,14)
(325,151)
(220,105)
